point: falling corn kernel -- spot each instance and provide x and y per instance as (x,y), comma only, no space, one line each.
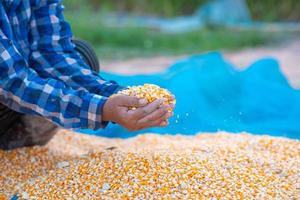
(150,92)
(204,166)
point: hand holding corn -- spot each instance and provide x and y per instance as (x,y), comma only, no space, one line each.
(140,107)
(151,93)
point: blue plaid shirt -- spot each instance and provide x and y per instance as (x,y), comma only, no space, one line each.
(40,73)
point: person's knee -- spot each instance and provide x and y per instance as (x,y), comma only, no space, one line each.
(40,129)
(28,131)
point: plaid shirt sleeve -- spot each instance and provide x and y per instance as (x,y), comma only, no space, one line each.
(53,53)
(23,90)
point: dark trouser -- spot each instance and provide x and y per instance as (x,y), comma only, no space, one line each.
(19,130)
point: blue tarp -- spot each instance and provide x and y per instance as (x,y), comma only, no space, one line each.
(213,95)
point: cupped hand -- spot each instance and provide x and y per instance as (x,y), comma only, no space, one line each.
(117,109)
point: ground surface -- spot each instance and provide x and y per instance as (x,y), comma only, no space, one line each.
(205,166)
(267,167)
(288,55)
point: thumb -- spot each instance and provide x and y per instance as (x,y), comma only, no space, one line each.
(129,101)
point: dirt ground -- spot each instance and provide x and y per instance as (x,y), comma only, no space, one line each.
(287,54)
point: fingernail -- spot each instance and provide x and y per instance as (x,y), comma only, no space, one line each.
(165,123)
(170,114)
(161,101)
(163,107)
(143,102)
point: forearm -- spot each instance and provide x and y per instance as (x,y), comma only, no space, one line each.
(23,90)
(69,68)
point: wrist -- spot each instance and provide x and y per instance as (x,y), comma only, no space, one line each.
(106,111)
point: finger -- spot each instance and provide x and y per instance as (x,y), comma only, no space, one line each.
(157,123)
(172,105)
(166,117)
(164,124)
(172,98)
(152,107)
(154,123)
(146,110)
(130,101)
(157,114)
(170,114)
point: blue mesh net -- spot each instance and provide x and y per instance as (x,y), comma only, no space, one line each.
(212,95)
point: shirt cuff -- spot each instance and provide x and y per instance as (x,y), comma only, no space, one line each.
(91,112)
(119,88)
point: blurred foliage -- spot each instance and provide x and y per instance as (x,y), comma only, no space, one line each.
(120,43)
(275,10)
(269,10)
(157,7)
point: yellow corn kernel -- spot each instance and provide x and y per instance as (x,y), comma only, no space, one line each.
(204,166)
(150,92)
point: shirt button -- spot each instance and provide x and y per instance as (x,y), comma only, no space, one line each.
(10,42)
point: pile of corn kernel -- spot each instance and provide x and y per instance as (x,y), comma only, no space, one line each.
(150,92)
(204,166)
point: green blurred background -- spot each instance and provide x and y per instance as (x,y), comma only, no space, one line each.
(86,18)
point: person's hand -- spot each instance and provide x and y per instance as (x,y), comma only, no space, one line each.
(116,109)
